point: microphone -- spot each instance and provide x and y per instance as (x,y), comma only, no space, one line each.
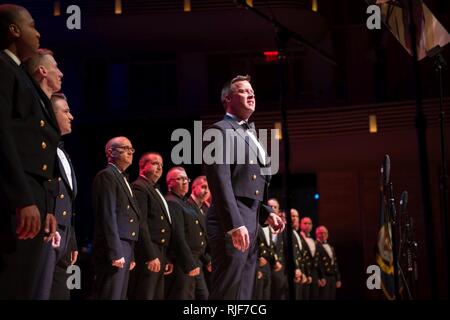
(385,172)
(386,169)
(403,202)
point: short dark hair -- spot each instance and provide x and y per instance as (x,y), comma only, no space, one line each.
(198,180)
(226,89)
(58,95)
(9,14)
(144,158)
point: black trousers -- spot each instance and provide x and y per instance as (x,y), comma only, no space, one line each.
(145,284)
(329,291)
(20,260)
(263,284)
(50,258)
(111,283)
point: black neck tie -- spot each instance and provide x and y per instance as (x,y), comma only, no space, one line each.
(248,126)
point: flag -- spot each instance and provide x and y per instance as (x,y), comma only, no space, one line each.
(384,257)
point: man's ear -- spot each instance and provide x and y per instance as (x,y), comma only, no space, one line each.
(42,70)
(110,153)
(14,30)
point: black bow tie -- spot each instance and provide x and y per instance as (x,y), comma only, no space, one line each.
(156,186)
(61,144)
(248,126)
(126,175)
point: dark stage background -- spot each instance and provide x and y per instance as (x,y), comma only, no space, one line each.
(155,68)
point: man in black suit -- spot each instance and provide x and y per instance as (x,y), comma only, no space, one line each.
(147,280)
(279,280)
(29,138)
(328,261)
(44,69)
(67,252)
(200,192)
(299,254)
(189,238)
(116,222)
(311,291)
(266,259)
(238,192)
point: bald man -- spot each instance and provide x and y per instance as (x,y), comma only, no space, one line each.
(29,138)
(327,258)
(116,222)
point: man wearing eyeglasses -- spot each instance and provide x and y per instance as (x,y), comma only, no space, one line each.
(238,190)
(189,239)
(116,222)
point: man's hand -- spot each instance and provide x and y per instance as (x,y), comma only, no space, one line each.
(154,265)
(338,284)
(240,238)
(304,278)
(168,269)
(277,266)
(297,276)
(28,222)
(132,265)
(119,263)
(209,267)
(73,257)
(275,222)
(259,275)
(56,241)
(194,272)
(49,227)
(322,282)
(262,261)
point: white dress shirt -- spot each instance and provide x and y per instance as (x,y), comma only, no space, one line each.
(65,163)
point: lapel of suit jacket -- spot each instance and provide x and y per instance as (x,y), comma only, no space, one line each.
(74,180)
(48,111)
(122,182)
(198,212)
(73,190)
(155,194)
(64,177)
(241,132)
(305,244)
(37,92)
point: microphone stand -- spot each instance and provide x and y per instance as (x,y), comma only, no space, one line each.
(411,257)
(283,35)
(439,64)
(421,126)
(406,249)
(393,222)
